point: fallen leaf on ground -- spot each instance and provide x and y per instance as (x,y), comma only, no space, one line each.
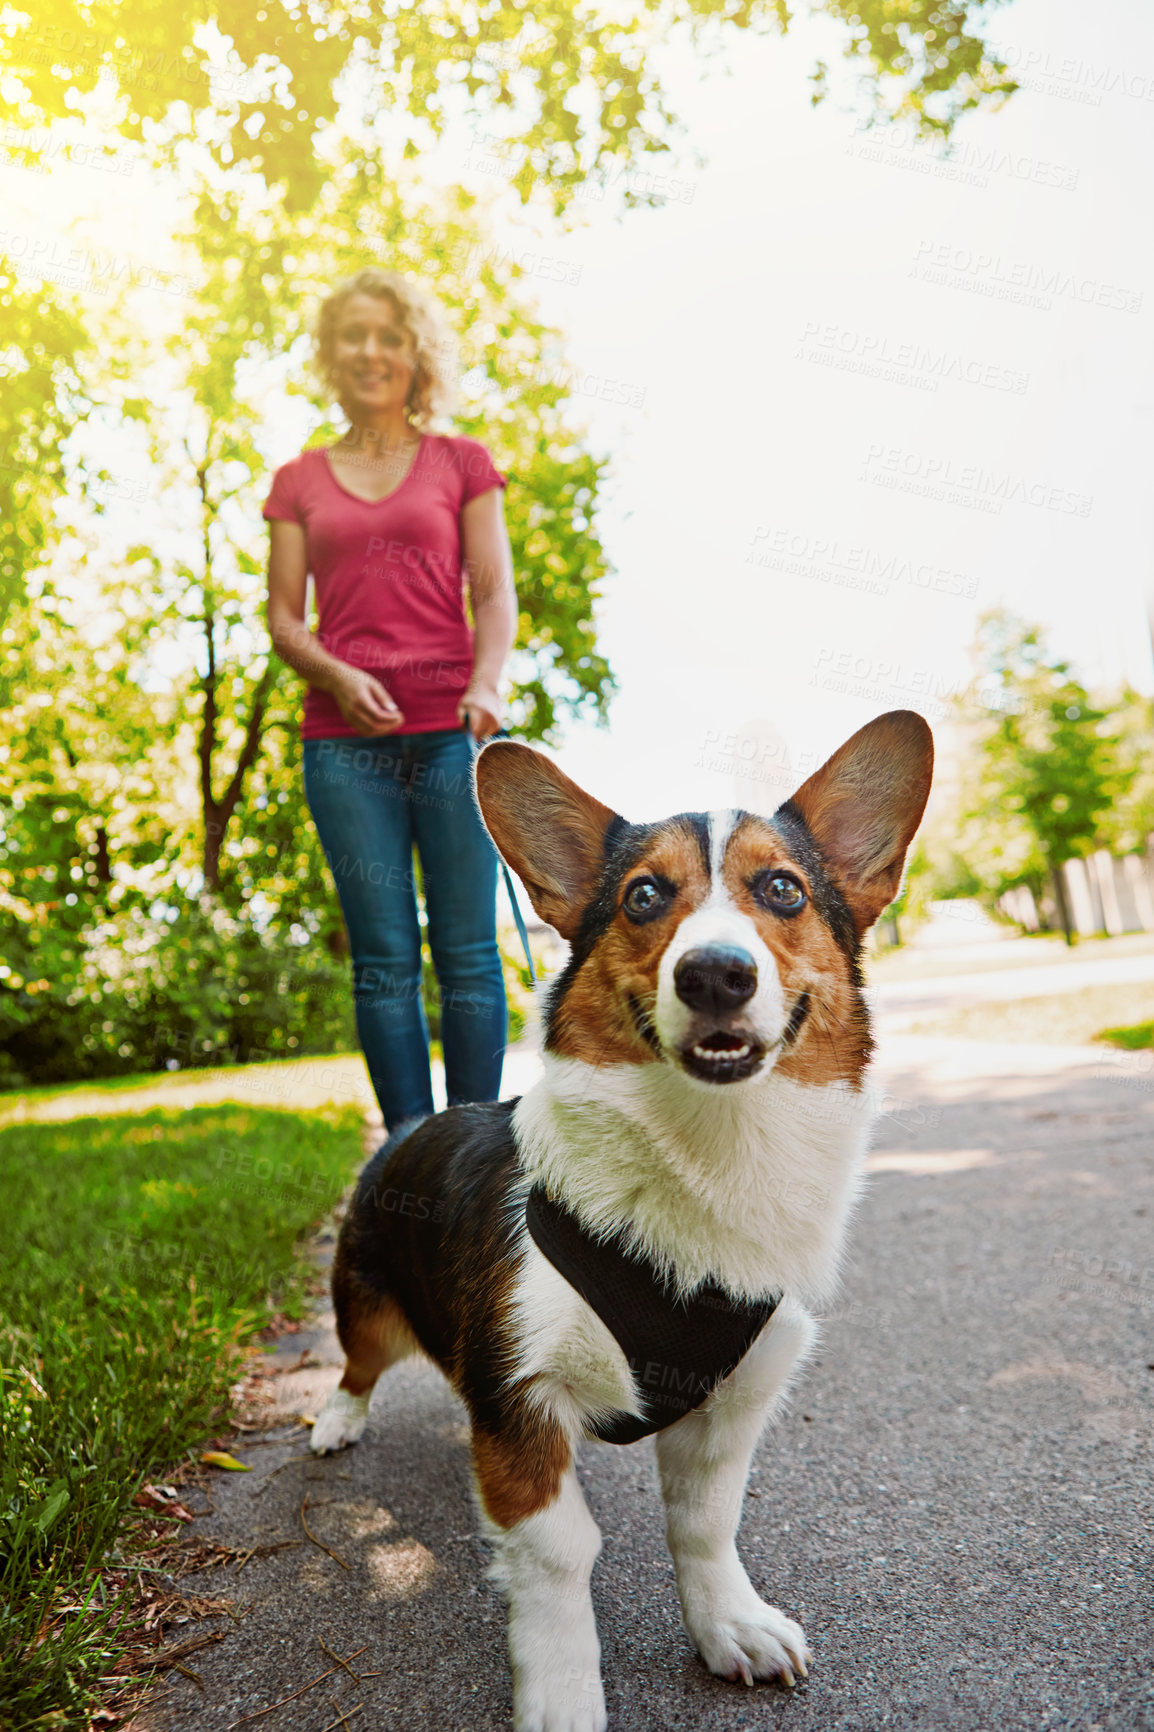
(163,1498)
(221,1458)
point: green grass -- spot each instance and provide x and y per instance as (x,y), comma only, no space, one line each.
(1135,1038)
(147,1251)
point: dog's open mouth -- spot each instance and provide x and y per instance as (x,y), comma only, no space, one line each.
(722,1057)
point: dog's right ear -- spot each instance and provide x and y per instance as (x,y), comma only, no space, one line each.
(550,831)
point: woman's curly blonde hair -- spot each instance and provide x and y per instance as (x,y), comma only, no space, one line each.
(422,319)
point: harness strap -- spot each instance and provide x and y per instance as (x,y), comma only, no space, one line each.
(678,1348)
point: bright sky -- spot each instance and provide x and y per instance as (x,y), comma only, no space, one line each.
(856,366)
(862,393)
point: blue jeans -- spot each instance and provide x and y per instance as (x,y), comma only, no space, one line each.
(372,801)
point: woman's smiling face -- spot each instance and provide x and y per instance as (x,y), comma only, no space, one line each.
(373,357)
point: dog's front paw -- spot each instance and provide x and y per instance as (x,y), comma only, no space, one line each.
(545,1706)
(751,1641)
(341,1420)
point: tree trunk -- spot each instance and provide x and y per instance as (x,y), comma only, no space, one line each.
(1058,883)
(218,812)
(103,857)
(213,841)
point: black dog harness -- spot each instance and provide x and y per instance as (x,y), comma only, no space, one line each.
(678,1349)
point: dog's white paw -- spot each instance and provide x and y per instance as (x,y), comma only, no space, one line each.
(544,1706)
(752,1641)
(341,1420)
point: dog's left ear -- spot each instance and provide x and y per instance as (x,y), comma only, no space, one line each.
(550,831)
(863,806)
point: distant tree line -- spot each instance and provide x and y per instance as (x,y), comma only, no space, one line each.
(1051,773)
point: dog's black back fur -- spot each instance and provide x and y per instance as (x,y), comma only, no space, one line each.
(430,1223)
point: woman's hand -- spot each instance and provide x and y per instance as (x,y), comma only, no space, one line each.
(364,703)
(481,708)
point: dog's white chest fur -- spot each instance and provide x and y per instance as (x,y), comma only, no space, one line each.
(750,1186)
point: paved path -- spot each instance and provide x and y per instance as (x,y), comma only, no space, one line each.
(955,991)
(957,1504)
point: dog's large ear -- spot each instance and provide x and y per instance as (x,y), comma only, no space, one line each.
(863,806)
(550,831)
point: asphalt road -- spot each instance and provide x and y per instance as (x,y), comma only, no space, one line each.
(957,1505)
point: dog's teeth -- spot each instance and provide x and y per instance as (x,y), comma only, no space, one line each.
(730,1052)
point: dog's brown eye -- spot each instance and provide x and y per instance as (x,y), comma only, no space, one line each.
(781,892)
(643,899)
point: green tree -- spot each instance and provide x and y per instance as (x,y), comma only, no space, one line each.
(84,777)
(572,90)
(41,395)
(1048,767)
(1131,825)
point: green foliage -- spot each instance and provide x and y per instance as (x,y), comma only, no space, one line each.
(151,1247)
(1048,767)
(110,962)
(569,92)
(1130,828)
(40,395)
(205,989)
(911,905)
(1137,1038)
(923,60)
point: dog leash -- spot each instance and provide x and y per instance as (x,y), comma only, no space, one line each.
(518,917)
(522,931)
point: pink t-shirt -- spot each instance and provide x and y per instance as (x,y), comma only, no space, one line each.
(389,581)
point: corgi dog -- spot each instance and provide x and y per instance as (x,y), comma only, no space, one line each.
(636,1245)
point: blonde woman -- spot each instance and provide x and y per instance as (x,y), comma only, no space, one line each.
(394,522)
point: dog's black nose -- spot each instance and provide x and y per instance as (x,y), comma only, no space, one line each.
(717,979)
